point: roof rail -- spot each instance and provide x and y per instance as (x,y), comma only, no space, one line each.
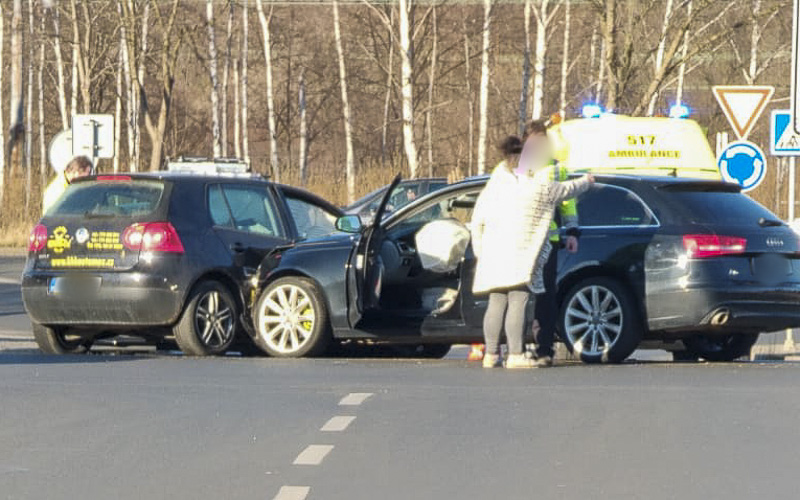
(210,166)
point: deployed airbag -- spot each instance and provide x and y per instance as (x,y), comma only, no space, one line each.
(441,245)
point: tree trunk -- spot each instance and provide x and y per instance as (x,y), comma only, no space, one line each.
(522,117)
(16,128)
(659,61)
(407,89)
(431,87)
(471,125)
(225,79)
(562,106)
(137,116)
(350,170)
(2,129)
(682,68)
(301,109)
(755,38)
(237,112)
(73,98)
(29,112)
(212,72)
(542,15)
(484,90)
(387,99)
(118,109)
(62,89)
(245,111)
(40,100)
(609,44)
(273,138)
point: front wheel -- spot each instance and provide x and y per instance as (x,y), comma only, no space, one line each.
(600,321)
(59,340)
(720,348)
(208,324)
(291,319)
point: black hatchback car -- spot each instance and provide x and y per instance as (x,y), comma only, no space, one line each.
(157,255)
(691,266)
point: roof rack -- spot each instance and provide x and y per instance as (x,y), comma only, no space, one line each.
(211,166)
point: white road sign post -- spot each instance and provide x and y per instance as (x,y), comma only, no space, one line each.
(93,136)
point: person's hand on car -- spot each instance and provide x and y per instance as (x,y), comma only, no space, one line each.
(572,244)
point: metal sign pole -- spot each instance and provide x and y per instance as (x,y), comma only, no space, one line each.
(796,67)
(789,346)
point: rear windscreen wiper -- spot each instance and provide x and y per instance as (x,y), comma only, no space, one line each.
(94,215)
(769,222)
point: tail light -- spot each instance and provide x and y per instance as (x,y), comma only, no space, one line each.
(152,237)
(700,246)
(37,241)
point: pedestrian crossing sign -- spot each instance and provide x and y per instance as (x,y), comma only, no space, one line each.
(784,141)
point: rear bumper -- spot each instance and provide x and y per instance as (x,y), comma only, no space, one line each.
(124,299)
(715,310)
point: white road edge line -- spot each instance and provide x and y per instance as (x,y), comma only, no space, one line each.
(354,398)
(9,281)
(314,454)
(337,424)
(292,493)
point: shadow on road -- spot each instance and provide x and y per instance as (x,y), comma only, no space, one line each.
(34,357)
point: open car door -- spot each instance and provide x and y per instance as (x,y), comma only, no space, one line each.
(365,269)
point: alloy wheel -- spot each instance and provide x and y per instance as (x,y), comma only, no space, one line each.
(287,319)
(594,320)
(214,320)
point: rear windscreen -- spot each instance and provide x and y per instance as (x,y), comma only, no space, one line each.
(109,199)
(723,208)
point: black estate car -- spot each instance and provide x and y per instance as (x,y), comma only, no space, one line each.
(692,266)
(159,254)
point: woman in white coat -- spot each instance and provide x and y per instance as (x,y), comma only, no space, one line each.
(510,227)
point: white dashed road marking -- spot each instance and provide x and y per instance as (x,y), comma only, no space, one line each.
(337,424)
(313,455)
(354,398)
(9,281)
(292,493)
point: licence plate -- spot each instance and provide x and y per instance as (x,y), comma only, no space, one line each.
(74,285)
(772,267)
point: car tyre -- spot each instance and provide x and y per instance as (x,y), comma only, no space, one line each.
(291,319)
(600,322)
(54,340)
(720,348)
(209,322)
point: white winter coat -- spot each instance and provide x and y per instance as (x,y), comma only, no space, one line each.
(510,225)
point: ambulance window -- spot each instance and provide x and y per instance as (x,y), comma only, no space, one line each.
(609,206)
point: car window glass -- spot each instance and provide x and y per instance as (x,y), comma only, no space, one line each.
(124,199)
(312,221)
(733,209)
(458,207)
(605,205)
(252,210)
(400,197)
(218,208)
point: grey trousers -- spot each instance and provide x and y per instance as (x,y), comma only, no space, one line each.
(506,308)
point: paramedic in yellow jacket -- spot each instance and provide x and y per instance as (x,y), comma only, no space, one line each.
(78,167)
(566,216)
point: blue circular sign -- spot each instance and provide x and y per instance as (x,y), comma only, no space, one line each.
(743,163)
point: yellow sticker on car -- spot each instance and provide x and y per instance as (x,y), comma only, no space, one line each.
(104,240)
(78,262)
(60,240)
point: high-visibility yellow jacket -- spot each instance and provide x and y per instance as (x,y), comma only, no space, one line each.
(566,211)
(54,191)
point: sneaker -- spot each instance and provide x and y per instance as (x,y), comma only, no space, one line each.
(544,362)
(492,361)
(519,361)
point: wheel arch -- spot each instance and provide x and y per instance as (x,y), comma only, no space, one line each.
(221,277)
(291,273)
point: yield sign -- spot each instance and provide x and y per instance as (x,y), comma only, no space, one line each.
(742,105)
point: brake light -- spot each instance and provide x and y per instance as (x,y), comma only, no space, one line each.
(700,246)
(37,241)
(152,237)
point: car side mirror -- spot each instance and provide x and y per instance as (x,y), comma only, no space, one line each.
(349,224)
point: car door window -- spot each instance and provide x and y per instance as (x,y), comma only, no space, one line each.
(610,206)
(218,208)
(311,220)
(251,210)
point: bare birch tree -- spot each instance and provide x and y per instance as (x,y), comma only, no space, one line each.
(301,109)
(244,65)
(544,15)
(484,89)
(2,129)
(118,107)
(350,169)
(225,79)
(389,87)
(662,42)
(40,100)
(16,128)
(61,88)
(470,104)
(29,112)
(431,88)
(407,88)
(272,131)
(237,111)
(212,71)
(565,59)
(522,116)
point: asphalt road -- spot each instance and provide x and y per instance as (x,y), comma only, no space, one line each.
(128,425)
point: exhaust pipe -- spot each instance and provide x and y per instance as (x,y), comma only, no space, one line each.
(720,317)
